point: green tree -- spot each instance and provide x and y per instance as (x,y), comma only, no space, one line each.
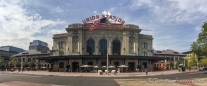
(193,60)
(199,47)
(186,63)
(38,65)
(18,64)
(25,64)
(203,61)
(179,62)
(13,61)
(1,61)
(32,64)
(171,64)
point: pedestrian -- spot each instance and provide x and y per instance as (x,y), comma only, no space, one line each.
(146,72)
(118,70)
(12,69)
(19,69)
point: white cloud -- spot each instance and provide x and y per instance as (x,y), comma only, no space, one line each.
(173,10)
(94,12)
(106,12)
(58,10)
(18,25)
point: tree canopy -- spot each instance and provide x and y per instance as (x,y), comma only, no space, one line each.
(199,47)
(13,61)
(1,61)
(193,60)
(203,61)
(179,62)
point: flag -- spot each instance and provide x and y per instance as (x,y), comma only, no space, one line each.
(101,23)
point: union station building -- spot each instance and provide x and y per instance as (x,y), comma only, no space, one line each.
(79,46)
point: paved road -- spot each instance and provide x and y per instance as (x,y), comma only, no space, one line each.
(89,81)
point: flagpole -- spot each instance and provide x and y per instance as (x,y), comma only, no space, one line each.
(107,48)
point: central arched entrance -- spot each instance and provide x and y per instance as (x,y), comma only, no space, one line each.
(116,47)
(131,66)
(75,66)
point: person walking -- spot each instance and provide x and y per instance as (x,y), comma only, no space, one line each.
(146,72)
(118,70)
(19,69)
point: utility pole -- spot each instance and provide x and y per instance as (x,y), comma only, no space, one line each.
(22,64)
(107,47)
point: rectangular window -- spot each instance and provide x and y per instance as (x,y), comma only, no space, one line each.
(144,54)
(61,53)
(61,45)
(144,45)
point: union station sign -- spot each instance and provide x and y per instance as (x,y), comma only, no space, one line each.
(111,17)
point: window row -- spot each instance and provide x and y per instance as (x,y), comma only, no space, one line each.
(103,47)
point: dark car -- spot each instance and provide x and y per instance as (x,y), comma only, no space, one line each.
(202,68)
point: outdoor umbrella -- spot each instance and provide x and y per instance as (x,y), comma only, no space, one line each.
(95,67)
(123,66)
(103,66)
(86,66)
(111,66)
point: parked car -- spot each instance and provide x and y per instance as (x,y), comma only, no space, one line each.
(202,68)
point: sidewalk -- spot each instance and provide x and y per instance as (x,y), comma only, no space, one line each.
(84,74)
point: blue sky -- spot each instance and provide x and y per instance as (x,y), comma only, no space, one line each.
(175,24)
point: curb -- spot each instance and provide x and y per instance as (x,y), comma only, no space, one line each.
(89,75)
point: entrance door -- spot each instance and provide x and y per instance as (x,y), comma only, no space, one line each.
(75,67)
(131,66)
(116,64)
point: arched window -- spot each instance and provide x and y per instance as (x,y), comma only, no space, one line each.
(116,47)
(28,59)
(103,47)
(61,64)
(90,46)
(23,59)
(144,64)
